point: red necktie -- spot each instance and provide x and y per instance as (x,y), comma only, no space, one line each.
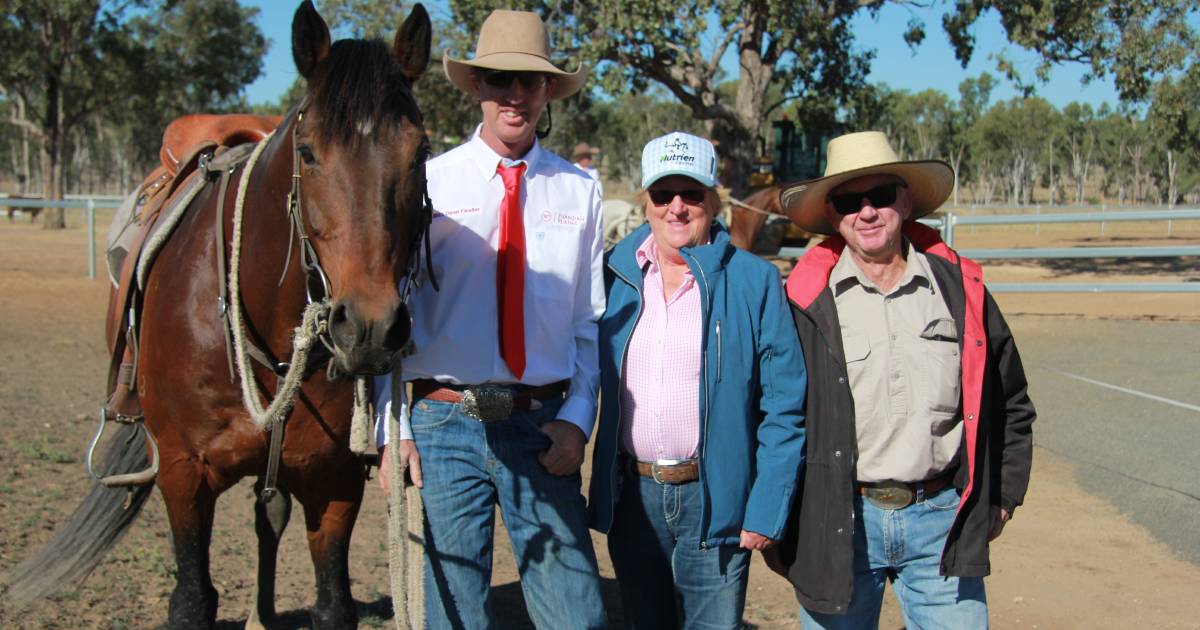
(510,271)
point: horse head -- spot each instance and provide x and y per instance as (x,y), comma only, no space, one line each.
(360,147)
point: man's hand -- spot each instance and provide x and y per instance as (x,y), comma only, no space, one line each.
(1000,516)
(565,455)
(408,453)
(754,540)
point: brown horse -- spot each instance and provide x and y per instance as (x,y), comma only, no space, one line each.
(746,224)
(358,146)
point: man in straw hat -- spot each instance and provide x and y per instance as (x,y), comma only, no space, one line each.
(504,375)
(919,422)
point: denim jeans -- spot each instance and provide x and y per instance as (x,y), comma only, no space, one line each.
(666,579)
(471,466)
(906,546)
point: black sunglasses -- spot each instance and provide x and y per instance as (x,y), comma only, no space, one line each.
(504,78)
(690,196)
(880,196)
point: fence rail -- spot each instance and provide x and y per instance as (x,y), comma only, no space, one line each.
(87,204)
(945,222)
(948,221)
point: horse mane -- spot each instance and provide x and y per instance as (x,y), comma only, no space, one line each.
(360,83)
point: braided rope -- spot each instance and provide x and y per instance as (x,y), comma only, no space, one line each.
(303,337)
(405,517)
(406,521)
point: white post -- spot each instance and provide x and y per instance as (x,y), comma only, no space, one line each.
(90,207)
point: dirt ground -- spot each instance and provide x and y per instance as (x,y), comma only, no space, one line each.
(1069,560)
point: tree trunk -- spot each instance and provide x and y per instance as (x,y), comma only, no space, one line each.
(52,156)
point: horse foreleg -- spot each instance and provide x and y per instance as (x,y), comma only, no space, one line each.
(190,506)
(270,519)
(329,517)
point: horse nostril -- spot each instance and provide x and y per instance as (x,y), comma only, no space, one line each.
(341,328)
(398,330)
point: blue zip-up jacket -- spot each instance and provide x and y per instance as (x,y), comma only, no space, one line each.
(751,445)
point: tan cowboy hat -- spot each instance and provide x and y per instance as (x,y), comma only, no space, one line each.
(584,149)
(517,41)
(854,155)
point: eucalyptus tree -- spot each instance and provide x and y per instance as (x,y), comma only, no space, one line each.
(70,63)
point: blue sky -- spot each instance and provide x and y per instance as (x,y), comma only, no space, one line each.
(932,65)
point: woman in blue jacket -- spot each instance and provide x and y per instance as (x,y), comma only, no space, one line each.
(701,433)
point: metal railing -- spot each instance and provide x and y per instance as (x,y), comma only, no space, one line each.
(87,204)
(948,221)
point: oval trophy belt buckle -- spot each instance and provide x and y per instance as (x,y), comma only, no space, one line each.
(488,404)
(890,497)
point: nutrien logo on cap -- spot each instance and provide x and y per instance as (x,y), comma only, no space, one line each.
(677,151)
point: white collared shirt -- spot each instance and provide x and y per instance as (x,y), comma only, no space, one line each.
(455,330)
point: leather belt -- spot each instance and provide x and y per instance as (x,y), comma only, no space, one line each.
(665,472)
(896,495)
(486,402)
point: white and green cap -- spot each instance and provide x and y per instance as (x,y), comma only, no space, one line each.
(679,153)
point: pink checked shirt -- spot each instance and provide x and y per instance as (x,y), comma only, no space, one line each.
(660,391)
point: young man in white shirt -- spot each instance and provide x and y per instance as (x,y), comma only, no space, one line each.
(505,368)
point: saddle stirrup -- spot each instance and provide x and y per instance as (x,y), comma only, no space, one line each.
(140,478)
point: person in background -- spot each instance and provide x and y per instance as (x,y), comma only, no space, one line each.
(584,156)
(504,374)
(701,431)
(920,439)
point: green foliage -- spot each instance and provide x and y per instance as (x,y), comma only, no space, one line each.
(107,74)
(1137,42)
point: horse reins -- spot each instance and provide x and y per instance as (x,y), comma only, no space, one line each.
(314,323)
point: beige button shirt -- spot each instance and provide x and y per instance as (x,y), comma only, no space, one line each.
(903,361)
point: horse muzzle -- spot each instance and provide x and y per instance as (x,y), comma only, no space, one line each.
(365,347)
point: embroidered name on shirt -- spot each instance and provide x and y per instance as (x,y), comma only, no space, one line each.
(456,212)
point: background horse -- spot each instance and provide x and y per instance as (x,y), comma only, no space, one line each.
(746,225)
(359,147)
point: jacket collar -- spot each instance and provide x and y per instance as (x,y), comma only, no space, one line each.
(710,258)
(810,276)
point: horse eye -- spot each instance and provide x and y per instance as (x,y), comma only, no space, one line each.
(422,156)
(306,154)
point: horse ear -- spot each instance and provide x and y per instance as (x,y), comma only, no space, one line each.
(310,38)
(411,47)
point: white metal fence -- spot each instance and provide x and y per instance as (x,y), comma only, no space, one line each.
(946,222)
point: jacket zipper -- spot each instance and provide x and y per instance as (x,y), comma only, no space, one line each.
(620,367)
(707,401)
(718,351)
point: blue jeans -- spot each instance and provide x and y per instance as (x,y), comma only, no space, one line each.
(471,466)
(667,580)
(906,546)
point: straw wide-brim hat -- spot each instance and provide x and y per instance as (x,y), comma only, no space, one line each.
(517,41)
(854,155)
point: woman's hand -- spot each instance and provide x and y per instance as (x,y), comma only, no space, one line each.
(753,540)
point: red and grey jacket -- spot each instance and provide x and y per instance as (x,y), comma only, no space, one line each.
(996,411)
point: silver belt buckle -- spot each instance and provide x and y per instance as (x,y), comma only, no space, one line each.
(488,404)
(656,468)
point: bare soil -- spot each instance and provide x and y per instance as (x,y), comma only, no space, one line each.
(1069,560)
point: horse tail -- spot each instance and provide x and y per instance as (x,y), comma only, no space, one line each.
(96,525)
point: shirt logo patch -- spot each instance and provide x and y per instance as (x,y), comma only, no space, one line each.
(564,219)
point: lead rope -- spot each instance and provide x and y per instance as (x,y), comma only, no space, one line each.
(405,521)
(303,337)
